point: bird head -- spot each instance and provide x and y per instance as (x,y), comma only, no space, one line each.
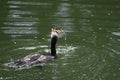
(55,32)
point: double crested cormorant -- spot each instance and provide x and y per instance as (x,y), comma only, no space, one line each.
(37,59)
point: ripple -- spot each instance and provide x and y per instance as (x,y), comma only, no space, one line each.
(63,49)
(63,10)
(15,17)
(28,48)
(64,23)
(66,49)
(116,33)
(32,47)
(13,12)
(12,6)
(20,23)
(28,3)
(19,30)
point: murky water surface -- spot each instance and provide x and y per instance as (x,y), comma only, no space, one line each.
(90,50)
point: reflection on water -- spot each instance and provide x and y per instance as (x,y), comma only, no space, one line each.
(17,24)
(63,10)
(64,19)
(27,3)
(89,51)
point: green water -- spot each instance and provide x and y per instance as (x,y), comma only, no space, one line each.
(89,51)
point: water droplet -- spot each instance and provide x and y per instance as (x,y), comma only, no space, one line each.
(83,45)
(54,78)
(14,42)
(35,37)
(109,14)
(84,74)
(100,28)
(103,45)
(93,32)
(1,77)
(83,39)
(103,60)
(92,15)
(110,38)
(73,71)
(118,68)
(107,35)
(114,74)
(43,38)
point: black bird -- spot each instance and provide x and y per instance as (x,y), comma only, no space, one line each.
(37,59)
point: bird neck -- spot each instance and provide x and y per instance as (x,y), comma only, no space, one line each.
(53,45)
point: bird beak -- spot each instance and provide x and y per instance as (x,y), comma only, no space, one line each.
(57,30)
